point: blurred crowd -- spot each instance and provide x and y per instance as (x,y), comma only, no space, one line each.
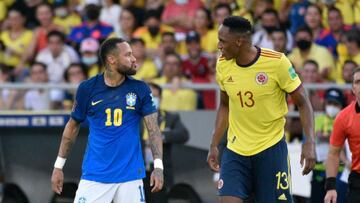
(174,42)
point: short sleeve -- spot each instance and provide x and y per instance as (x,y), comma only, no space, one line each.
(148,106)
(338,135)
(219,76)
(288,79)
(80,105)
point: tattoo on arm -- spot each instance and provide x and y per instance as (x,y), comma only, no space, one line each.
(154,135)
(69,136)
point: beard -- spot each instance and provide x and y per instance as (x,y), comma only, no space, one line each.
(126,70)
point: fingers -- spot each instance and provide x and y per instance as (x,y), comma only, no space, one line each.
(57,186)
(309,165)
(158,184)
(214,165)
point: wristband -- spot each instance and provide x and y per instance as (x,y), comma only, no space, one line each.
(59,163)
(158,164)
(330,183)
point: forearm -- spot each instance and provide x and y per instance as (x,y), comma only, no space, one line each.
(68,138)
(221,124)
(332,165)
(307,119)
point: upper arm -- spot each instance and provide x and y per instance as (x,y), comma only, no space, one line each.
(338,134)
(287,77)
(299,96)
(80,105)
(224,99)
(147,104)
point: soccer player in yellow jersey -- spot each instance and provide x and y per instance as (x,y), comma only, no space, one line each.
(254,83)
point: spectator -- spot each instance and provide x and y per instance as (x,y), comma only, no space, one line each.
(29,8)
(175,98)
(313,20)
(65,17)
(174,132)
(127,24)
(221,11)
(152,31)
(352,43)
(168,45)
(347,70)
(110,13)
(306,49)
(37,99)
(154,5)
(91,27)
(279,40)
(330,37)
(297,15)
(89,48)
(8,97)
(146,67)
(196,68)
(204,26)
(74,74)
(334,102)
(45,16)
(57,56)
(270,22)
(17,39)
(178,14)
(260,6)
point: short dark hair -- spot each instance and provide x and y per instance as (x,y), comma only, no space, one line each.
(353,35)
(137,40)
(156,86)
(313,62)
(108,46)
(38,63)
(304,29)
(271,11)
(152,13)
(334,9)
(56,34)
(171,34)
(350,61)
(281,30)
(92,10)
(223,5)
(209,17)
(238,24)
(357,70)
(174,54)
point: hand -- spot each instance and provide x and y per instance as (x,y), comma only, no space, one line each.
(212,158)
(330,196)
(57,180)
(308,154)
(157,180)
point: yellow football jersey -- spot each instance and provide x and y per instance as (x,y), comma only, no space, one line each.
(257,100)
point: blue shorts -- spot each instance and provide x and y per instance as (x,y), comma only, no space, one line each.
(265,175)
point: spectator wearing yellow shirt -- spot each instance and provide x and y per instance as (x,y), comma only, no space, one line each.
(306,49)
(16,39)
(175,98)
(64,17)
(146,67)
(204,26)
(352,43)
(151,32)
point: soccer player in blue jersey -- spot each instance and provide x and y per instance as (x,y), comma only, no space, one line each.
(113,103)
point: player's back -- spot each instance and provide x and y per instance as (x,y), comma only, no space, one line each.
(113,152)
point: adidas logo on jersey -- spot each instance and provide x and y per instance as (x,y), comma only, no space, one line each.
(230,79)
(282,197)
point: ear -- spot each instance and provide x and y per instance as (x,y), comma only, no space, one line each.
(111,59)
(239,41)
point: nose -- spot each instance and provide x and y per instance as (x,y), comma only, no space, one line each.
(219,45)
(133,59)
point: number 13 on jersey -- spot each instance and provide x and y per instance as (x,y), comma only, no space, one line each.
(246,98)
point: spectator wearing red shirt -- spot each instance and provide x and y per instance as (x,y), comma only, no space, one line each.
(196,68)
(346,126)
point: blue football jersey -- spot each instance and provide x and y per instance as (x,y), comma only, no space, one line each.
(113,153)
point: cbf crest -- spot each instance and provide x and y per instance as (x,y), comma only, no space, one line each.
(130,101)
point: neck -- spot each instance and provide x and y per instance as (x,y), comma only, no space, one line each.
(113,78)
(247,56)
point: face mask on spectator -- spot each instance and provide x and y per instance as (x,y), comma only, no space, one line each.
(332,110)
(156,102)
(89,60)
(181,1)
(303,44)
(154,30)
(61,12)
(269,29)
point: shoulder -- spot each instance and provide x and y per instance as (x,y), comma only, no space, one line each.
(268,53)
(137,84)
(344,114)
(89,83)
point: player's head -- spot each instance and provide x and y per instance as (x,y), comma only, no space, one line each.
(234,34)
(356,84)
(116,55)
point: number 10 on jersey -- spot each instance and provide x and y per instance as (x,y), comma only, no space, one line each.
(113,117)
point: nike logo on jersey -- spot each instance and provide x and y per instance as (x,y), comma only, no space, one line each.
(93,103)
(230,79)
(282,197)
